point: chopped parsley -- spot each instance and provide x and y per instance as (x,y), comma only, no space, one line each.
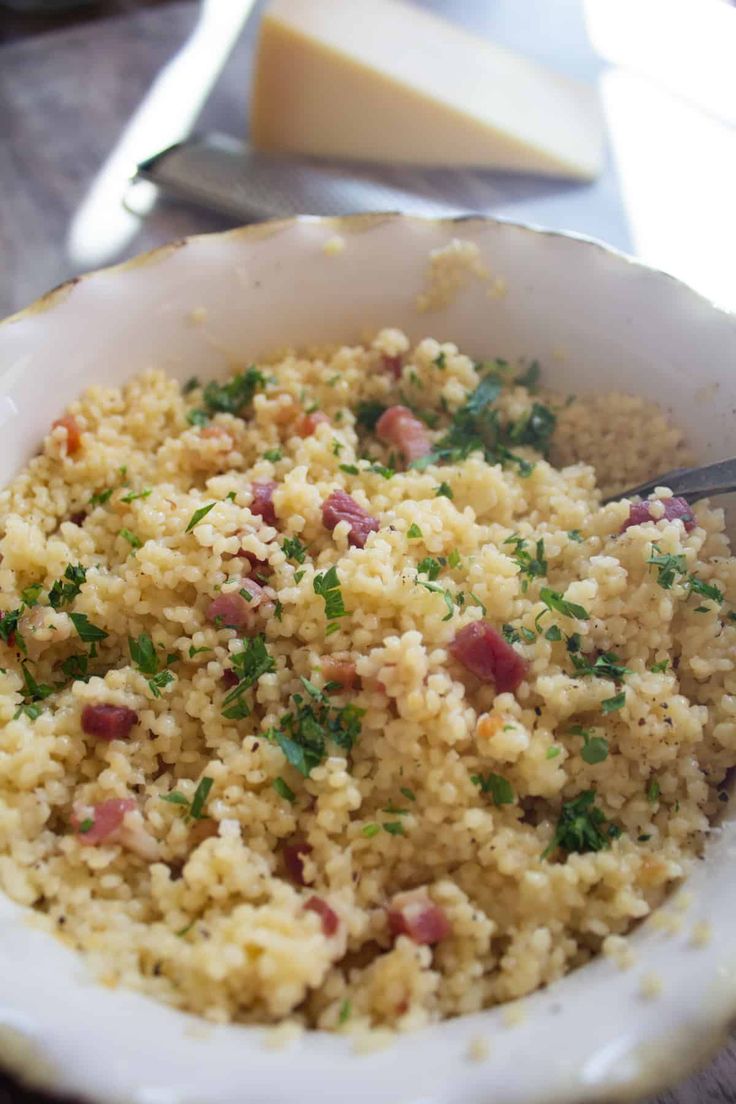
(496,785)
(370,830)
(431,567)
(436,588)
(610,705)
(554,601)
(143,654)
(477,602)
(414,532)
(33,693)
(394,828)
(9,624)
(653,792)
(606,665)
(367,413)
(284,790)
(595,748)
(407,793)
(327,586)
(249,665)
(195,807)
(197,418)
(668,566)
(659,668)
(350,469)
(62,593)
(515,636)
(294,549)
(576,535)
(198,515)
(133,495)
(444,491)
(440,360)
(274,455)
(552,752)
(337,446)
(303,733)
(87,632)
(231,397)
(706,590)
(99,498)
(197,651)
(529,378)
(345,1010)
(30,595)
(582,826)
(191,385)
(454,558)
(530,566)
(131,538)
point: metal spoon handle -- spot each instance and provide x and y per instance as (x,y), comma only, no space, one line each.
(689,483)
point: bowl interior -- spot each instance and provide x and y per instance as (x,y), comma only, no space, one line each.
(596,322)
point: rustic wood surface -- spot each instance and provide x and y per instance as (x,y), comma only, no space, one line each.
(67,87)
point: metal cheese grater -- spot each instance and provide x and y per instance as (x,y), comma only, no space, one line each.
(221,173)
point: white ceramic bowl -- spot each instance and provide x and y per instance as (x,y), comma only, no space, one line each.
(596,321)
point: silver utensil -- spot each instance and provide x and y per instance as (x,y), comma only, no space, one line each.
(690,483)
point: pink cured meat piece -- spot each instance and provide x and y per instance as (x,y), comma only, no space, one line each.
(108,722)
(230,610)
(415,915)
(328,916)
(397,426)
(293,854)
(483,651)
(674,509)
(341,507)
(106,817)
(262,504)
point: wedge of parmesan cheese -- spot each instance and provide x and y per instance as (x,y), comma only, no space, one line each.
(386,81)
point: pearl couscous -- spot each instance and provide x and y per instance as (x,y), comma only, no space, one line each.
(331,693)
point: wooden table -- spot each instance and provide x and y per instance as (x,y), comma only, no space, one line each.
(67,90)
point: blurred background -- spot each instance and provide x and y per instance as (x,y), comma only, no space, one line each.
(90,90)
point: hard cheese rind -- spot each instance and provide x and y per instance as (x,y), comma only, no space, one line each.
(386,81)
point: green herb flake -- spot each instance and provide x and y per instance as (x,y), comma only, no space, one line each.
(131,538)
(327,586)
(86,826)
(249,665)
(274,455)
(477,602)
(62,592)
(76,667)
(440,361)
(653,792)
(530,377)
(200,797)
(133,495)
(414,532)
(610,705)
(553,752)
(554,633)
(429,566)
(496,785)
(394,828)
(576,535)
(555,601)
(607,665)
(407,793)
(447,597)
(198,515)
(294,549)
(99,498)
(595,748)
(345,1010)
(284,790)
(197,418)
(235,395)
(367,414)
(582,826)
(370,830)
(337,446)
(87,632)
(191,385)
(453,558)
(444,491)
(659,668)
(350,469)
(668,566)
